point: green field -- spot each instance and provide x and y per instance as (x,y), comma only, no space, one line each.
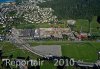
(9,49)
(86,51)
(32,26)
(83,25)
(82,51)
(80,25)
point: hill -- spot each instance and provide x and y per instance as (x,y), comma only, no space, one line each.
(74,9)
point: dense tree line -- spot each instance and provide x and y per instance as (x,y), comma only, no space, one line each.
(74,9)
(18,1)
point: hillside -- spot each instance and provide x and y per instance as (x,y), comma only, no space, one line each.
(74,9)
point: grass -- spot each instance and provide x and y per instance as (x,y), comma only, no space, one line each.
(94,25)
(32,26)
(46,25)
(81,51)
(25,26)
(80,25)
(83,25)
(48,65)
(86,51)
(9,49)
(35,43)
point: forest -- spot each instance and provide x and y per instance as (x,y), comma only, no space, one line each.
(74,9)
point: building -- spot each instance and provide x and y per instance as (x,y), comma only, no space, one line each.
(43,33)
(55,32)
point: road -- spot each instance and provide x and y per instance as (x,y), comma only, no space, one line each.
(20,43)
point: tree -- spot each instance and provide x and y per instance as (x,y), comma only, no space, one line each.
(73,9)
(18,1)
(0,53)
(98,19)
(11,56)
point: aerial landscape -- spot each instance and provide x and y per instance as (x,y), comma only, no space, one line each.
(49,34)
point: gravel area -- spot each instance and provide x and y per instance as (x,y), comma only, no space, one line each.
(54,50)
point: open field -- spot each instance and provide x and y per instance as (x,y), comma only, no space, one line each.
(86,51)
(9,49)
(82,51)
(83,25)
(80,25)
(32,26)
